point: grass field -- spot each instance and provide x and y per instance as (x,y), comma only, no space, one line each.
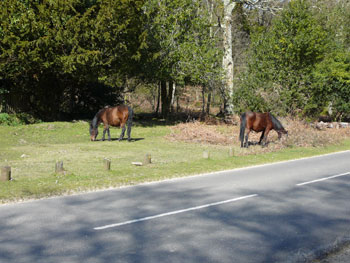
(32,151)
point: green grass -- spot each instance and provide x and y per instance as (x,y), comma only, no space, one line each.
(32,151)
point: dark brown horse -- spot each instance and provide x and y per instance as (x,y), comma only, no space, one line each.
(259,122)
(117,116)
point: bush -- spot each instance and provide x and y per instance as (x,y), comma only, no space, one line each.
(283,56)
(7,119)
(330,86)
(17,119)
(247,98)
(26,118)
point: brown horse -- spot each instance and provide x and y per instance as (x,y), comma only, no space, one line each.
(117,116)
(259,122)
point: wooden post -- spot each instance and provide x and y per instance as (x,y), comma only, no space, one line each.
(5,173)
(107,163)
(148,159)
(206,155)
(59,167)
(231,152)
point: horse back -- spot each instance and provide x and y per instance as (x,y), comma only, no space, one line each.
(116,116)
(258,121)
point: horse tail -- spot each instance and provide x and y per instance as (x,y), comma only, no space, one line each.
(242,128)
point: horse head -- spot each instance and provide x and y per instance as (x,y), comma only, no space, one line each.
(282,131)
(93,132)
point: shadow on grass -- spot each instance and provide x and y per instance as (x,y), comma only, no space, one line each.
(125,139)
(152,119)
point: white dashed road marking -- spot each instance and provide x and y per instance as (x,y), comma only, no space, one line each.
(323,179)
(174,212)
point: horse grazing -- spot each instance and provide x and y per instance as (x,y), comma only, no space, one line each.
(117,116)
(259,122)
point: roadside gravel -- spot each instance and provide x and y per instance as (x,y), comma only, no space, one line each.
(340,254)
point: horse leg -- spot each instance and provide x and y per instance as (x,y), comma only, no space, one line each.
(265,137)
(123,132)
(129,122)
(246,139)
(129,132)
(261,137)
(109,134)
(105,128)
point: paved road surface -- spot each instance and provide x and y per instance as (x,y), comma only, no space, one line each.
(284,212)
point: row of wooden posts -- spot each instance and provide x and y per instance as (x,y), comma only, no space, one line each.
(107,164)
(6,170)
(59,166)
(206,154)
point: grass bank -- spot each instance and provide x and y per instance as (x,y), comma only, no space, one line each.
(32,151)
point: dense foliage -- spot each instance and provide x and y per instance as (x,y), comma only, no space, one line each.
(331,87)
(293,68)
(66,59)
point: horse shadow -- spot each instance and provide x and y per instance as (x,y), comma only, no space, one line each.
(253,143)
(124,139)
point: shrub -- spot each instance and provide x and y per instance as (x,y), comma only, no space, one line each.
(7,119)
(331,86)
(17,119)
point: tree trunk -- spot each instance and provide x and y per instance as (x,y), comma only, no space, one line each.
(203,102)
(170,95)
(173,97)
(227,61)
(177,104)
(208,103)
(166,96)
(158,99)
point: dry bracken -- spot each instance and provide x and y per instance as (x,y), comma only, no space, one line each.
(300,134)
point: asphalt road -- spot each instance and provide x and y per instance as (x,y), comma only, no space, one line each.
(286,212)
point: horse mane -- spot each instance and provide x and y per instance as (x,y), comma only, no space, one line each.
(276,123)
(97,118)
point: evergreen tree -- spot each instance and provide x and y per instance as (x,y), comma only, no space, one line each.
(63,56)
(284,56)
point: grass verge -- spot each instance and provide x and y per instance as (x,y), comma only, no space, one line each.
(32,151)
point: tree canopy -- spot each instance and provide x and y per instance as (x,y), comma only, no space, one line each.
(66,59)
(288,60)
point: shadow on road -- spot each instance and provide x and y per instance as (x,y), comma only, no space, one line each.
(285,226)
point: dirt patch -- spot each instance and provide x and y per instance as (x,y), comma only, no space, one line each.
(300,134)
